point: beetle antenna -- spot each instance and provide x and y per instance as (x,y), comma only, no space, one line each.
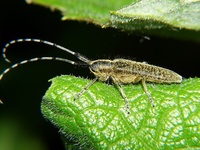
(79,56)
(37,59)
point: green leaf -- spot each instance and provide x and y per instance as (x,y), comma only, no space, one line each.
(154,17)
(140,14)
(155,14)
(87,10)
(98,119)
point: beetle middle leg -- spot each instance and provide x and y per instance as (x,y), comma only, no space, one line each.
(119,86)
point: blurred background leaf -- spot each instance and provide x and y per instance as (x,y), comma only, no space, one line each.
(88,10)
(14,136)
(180,19)
(158,14)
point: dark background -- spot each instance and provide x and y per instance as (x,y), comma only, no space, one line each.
(21,90)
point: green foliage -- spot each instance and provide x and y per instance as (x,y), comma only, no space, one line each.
(159,17)
(148,14)
(154,14)
(98,119)
(87,10)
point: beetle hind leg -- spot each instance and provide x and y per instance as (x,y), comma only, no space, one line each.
(147,92)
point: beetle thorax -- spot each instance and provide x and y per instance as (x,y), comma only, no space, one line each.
(102,68)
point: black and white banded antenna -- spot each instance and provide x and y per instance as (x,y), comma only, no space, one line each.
(79,56)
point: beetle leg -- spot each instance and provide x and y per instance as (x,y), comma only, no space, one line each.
(147,92)
(85,88)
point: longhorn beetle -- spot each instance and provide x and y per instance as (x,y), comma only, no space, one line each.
(121,71)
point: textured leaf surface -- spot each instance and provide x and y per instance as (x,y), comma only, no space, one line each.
(136,14)
(98,118)
(150,14)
